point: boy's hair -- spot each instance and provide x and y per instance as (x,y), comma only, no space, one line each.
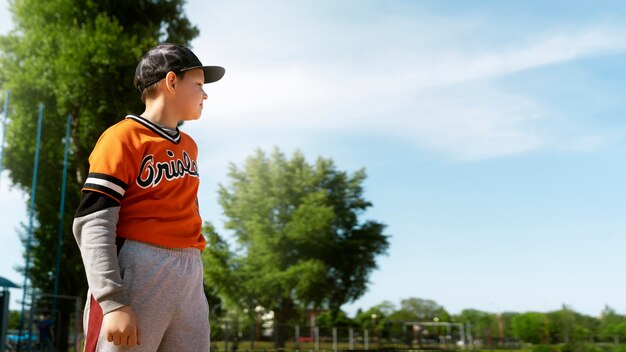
(150,91)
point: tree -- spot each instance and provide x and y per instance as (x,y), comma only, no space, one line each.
(562,325)
(77,57)
(300,242)
(376,320)
(386,307)
(612,325)
(14,320)
(421,310)
(376,315)
(329,320)
(479,323)
(585,328)
(531,327)
(506,319)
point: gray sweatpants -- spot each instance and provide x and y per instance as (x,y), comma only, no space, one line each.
(167,296)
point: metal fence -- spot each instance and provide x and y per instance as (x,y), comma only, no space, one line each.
(393,336)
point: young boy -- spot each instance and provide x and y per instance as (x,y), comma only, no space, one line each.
(138,224)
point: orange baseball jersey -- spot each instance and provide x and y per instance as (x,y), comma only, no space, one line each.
(154,177)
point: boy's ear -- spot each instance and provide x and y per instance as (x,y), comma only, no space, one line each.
(170,82)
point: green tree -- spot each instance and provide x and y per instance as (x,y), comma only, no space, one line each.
(376,320)
(14,320)
(386,308)
(329,320)
(421,310)
(486,327)
(476,321)
(612,325)
(374,316)
(531,327)
(562,325)
(300,242)
(570,326)
(507,319)
(78,57)
(585,328)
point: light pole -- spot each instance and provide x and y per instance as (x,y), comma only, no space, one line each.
(31,214)
(373,316)
(436,320)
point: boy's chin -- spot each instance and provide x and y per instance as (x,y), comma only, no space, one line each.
(192,118)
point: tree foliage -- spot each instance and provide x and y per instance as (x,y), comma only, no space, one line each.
(418,309)
(611,323)
(531,327)
(76,57)
(328,320)
(300,241)
(564,326)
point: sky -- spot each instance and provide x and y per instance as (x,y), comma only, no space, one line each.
(492,133)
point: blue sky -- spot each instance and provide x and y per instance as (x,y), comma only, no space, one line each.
(491,131)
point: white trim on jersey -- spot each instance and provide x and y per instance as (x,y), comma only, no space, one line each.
(108,184)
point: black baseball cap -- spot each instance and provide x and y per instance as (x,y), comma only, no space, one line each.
(163,58)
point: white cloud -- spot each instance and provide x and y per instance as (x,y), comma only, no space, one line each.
(448,68)
(445,101)
(471,122)
(261,96)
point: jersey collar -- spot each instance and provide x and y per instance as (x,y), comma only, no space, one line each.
(156,128)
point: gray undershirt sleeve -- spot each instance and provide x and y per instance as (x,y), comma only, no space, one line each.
(95,235)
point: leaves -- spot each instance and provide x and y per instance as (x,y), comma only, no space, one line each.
(77,57)
(300,242)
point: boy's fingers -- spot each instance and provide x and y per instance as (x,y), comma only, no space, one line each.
(126,340)
(132,340)
(117,339)
(110,337)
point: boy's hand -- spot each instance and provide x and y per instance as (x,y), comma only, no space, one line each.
(120,327)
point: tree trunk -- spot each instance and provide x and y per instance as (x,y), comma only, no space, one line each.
(279,324)
(281,319)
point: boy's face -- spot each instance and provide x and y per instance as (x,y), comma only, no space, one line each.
(190,95)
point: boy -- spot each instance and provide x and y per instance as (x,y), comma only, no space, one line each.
(138,224)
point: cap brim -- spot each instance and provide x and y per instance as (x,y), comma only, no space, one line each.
(211,73)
